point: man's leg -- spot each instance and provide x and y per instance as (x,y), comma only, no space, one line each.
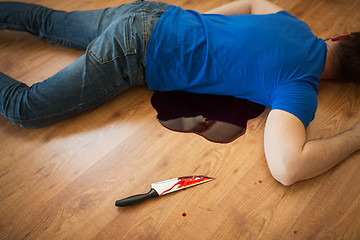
(71,29)
(113,63)
(84,84)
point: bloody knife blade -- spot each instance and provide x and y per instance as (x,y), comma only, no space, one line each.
(164,187)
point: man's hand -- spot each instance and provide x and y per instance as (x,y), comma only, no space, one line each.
(292,158)
(356,129)
(246,7)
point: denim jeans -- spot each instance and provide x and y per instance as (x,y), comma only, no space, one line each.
(115,40)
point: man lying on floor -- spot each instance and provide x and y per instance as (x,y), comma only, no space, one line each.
(250,49)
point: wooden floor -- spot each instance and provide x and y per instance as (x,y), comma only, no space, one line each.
(61,182)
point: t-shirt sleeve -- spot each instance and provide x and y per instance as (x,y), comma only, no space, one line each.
(297,99)
(283,12)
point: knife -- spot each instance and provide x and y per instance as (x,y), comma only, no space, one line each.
(164,187)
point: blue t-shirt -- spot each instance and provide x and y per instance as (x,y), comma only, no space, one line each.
(274,59)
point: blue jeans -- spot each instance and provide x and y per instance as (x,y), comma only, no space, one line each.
(115,40)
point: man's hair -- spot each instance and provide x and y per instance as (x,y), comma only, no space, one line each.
(347,58)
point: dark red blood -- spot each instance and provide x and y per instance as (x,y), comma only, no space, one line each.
(219,119)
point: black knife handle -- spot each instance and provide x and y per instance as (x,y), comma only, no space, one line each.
(136,198)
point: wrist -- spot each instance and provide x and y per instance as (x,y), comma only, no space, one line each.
(354,136)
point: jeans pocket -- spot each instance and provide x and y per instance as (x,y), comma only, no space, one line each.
(117,41)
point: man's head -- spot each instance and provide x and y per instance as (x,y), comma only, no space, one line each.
(345,63)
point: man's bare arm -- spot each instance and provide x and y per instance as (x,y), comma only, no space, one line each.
(291,158)
(246,7)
